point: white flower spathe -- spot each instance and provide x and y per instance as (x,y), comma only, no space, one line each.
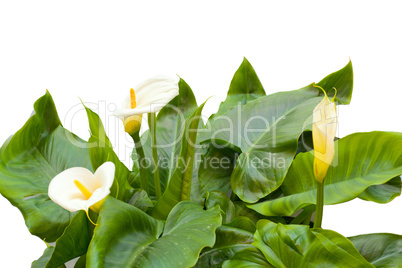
(78,189)
(151,96)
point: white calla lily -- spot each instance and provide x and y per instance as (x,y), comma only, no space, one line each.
(78,189)
(149,96)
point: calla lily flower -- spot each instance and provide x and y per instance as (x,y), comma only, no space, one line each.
(324,128)
(78,189)
(149,96)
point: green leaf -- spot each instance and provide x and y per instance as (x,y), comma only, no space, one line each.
(101,151)
(362,160)
(179,187)
(141,200)
(218,198)
(170,124)
(383,193)
(381,250)
(73,243)
(230,239)
(216,167)
(43,122)
(40,150)
(342,80)
(287,246)
(244,87)
(128,237)
(265,131)
(248,258)
(41,262)
(81,262)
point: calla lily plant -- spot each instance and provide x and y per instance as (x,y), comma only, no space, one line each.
(232,192)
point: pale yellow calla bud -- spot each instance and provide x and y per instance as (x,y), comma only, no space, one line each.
(324,128)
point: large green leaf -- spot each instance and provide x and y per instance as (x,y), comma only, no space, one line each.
(265,131)
(101,151)
(230,239)
(362,160)
(128,237)
(179,187)
(287,246)
(40,150)
(170,124)
(73,243)
(381,250)
(248,258)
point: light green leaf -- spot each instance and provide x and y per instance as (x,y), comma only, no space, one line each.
(287,246)
(179,187)
(127,237)
(381,250)
(40,150)
(362,160)
(265,131)
(73,243)
(101,151)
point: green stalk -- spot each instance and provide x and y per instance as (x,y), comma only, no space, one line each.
(141,159)
(152,129)
(319,205)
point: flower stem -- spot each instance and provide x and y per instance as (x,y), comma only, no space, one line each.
(141,160)
(152,129)
(319,205)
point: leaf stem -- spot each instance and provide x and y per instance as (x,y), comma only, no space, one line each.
(152,129)
(319,205)
(141,160)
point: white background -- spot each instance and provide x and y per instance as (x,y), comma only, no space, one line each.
(97,50)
